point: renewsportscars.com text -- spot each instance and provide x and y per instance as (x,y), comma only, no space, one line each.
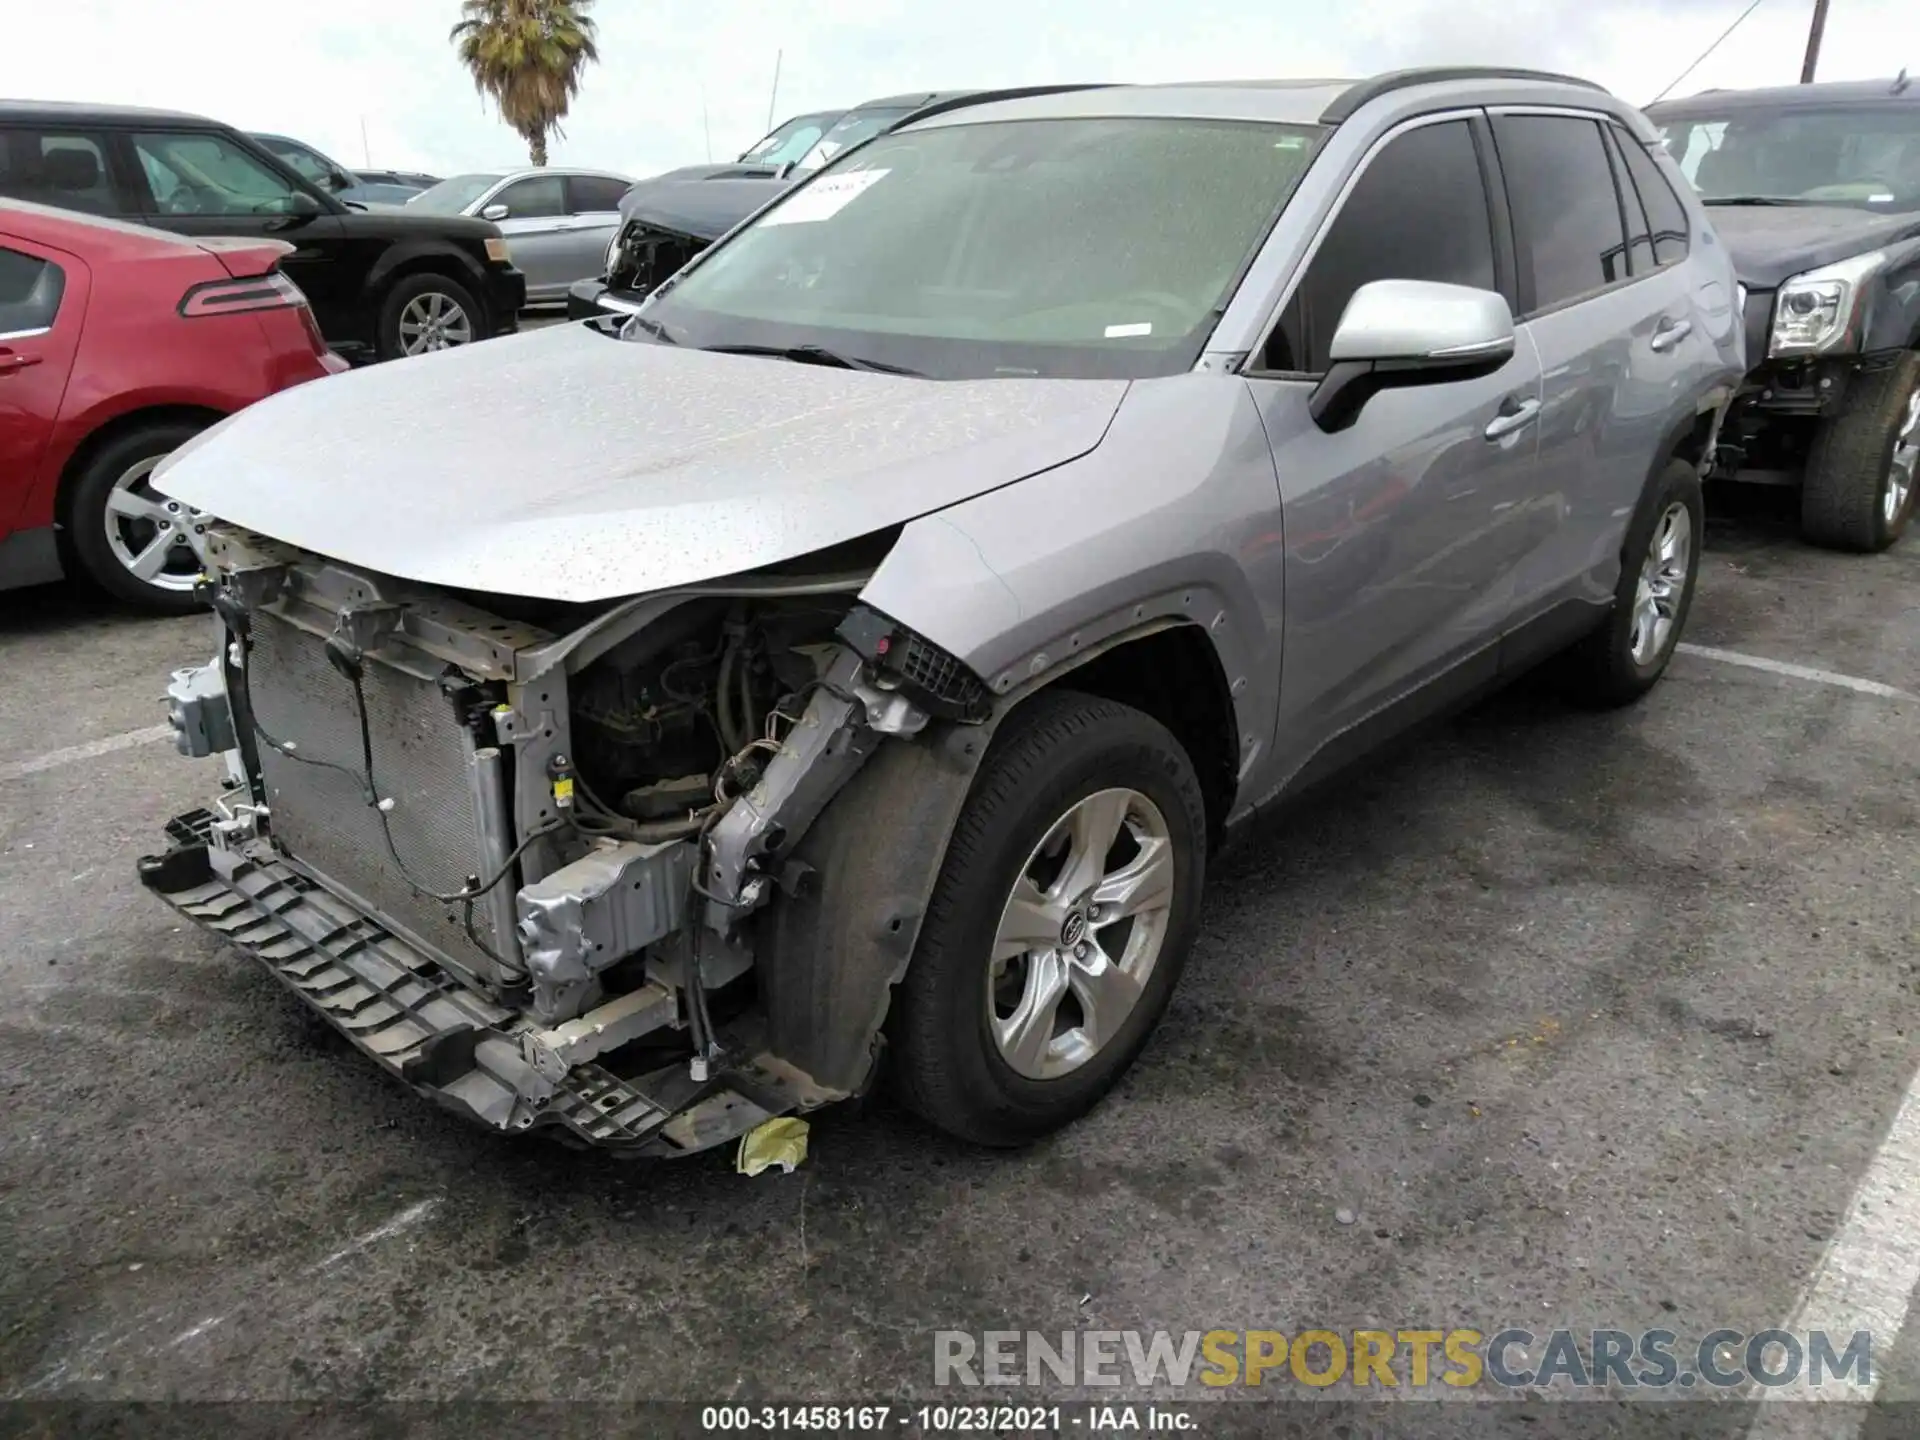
(1405,1360)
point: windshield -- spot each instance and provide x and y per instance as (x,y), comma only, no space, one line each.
(849,130)
(309,163)
(1072,247)
(450,197)
(790,141)
(1868,156)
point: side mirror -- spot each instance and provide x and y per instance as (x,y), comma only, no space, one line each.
(1396,333)
(495,211)
(340,180)
(303,204)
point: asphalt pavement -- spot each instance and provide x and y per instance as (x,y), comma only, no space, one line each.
(1548,1019)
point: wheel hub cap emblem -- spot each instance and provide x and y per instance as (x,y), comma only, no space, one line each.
(1073,930)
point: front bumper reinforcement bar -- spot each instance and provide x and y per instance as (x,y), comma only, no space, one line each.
(427,1028)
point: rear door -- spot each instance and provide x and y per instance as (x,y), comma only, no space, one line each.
(539,232)
(205,182)
(1613,320)
(43,300)
(1400,553)
(594,202)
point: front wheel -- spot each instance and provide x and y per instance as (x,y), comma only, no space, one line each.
(424,313)
(1659,566)
(1059,924)
(1859,490)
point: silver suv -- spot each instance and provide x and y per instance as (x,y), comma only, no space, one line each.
(634,729)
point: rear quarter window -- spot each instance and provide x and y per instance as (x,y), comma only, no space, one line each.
(30,291)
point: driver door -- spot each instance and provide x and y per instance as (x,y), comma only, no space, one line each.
(205,182)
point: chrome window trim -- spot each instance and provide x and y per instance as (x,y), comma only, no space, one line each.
(6,335)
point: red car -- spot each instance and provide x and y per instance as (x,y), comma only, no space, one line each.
(117,344)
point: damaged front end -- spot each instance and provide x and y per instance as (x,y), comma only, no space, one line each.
(640,875)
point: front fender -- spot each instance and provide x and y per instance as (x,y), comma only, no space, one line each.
(410,255)
(1174,516)
(1893,318)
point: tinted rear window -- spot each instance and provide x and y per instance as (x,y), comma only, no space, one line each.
(1566,214)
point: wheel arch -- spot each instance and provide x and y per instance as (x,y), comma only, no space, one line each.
(1172,672)
(108,432)
(403,263)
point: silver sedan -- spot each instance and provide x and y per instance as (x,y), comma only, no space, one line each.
(557,222)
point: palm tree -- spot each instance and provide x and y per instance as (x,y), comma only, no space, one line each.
(527,56)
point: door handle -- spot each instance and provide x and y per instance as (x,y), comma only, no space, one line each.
(1670,333)
(11,363)
(1514,415)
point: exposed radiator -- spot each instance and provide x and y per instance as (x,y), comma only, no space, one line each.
(320,815)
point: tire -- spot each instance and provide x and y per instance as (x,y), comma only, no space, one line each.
(1617,664)
(417,299)
(1846,497)
(117,474)
(1057,751)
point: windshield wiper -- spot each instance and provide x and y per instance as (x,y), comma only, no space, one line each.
(815,355)
(1755,200)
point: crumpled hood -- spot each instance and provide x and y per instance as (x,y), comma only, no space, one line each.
(705,209)
(569,465)
(1770,244)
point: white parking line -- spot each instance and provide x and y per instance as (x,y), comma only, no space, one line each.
(92,750)
(1795,672)
(1864,1281)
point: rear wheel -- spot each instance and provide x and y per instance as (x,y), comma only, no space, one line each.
(424,313)
(1659,565)
(132,541)
(1859,492)
(1060,922)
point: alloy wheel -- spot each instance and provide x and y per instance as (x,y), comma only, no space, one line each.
(150,535)
(433,321)
(1663,581)
(1080,934)
(1898,491)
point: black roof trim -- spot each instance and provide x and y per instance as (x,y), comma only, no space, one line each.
(987,97)
(1348,101)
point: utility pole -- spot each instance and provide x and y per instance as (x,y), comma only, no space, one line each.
(773,98)
(1812,62)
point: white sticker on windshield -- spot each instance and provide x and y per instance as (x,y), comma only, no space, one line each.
(1115,332)
(824,198)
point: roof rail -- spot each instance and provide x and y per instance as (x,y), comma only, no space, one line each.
(987,97)
(1351,100)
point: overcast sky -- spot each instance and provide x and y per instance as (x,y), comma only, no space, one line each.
(319,71)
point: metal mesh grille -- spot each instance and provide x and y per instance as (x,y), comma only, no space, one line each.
(321,816)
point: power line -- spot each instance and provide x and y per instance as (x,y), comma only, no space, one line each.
(1708,51)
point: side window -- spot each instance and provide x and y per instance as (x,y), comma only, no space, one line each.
(1666,216)
(1418,212)
(207,174)
(58,168)
(1566,213)
(591,194)
(30,290)
(1639,240)
(307,164)
(533,199)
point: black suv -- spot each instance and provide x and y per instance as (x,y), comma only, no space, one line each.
(381,283)
(1816,191)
